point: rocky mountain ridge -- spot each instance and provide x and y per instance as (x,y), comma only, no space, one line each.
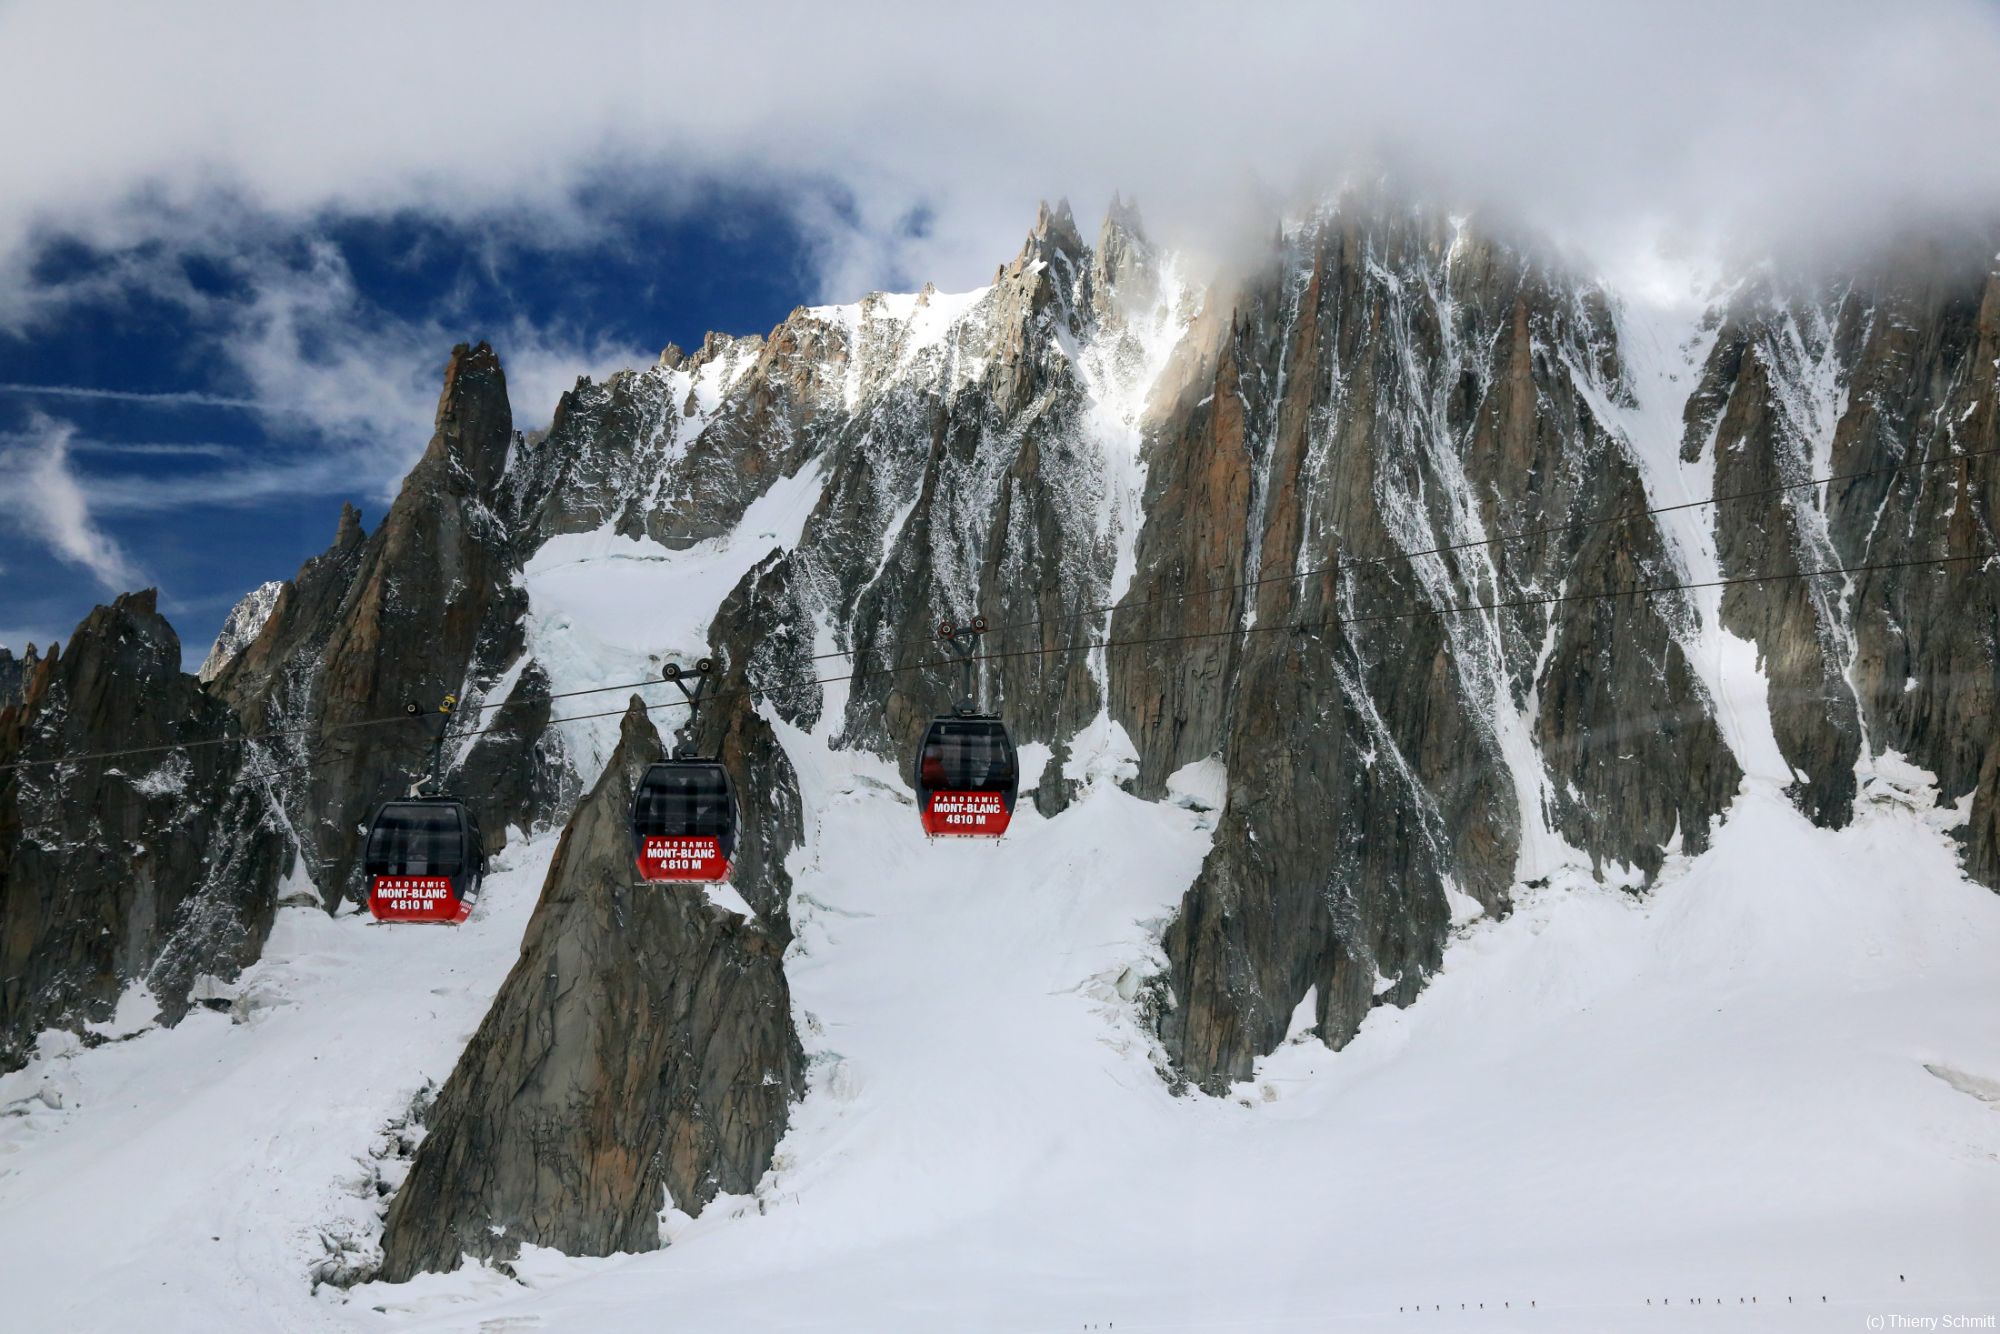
(1291,489)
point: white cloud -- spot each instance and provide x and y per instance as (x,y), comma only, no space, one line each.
(327,368)
(909,141)
(193,449)
(347,394)
(1783,119)
(164,398)
(47,503)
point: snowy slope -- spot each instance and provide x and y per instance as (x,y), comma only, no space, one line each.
(189,1177)
(1723,1090)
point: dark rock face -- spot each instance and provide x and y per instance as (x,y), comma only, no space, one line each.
(1763,439)
(1881,379)
(424,606)
(1388,391)
(153,867)
(641,1051)
(750,623)
(977,477)
(14,673)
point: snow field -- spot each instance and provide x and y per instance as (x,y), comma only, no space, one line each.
(185,1179)
(1718,1091)
(1724,1089)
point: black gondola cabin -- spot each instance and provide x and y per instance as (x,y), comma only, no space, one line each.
(424,859)
(967,777)
(684,822)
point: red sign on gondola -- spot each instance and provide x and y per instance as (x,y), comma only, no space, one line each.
(975,813)
(415,898)
(688,857)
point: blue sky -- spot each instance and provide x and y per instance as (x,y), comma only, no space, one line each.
(241,238)
(205,484)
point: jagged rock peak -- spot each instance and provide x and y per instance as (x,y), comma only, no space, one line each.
(144,602)
(636,733)
(715,345)
(198,901)
(471,365)
(14,674)
(348,534)
(1122,217)
(1123,272)
(475,422)
(643,1041)
(1054,234)
(245,622)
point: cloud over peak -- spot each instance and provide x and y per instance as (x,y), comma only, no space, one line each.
(933,129)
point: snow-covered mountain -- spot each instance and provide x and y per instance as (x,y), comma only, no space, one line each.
(243,624)
(1349,666)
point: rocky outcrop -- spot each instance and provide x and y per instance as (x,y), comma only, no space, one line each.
(1887,379)
(243,624)
(1405,713)
(14,673)
(151,867)
(1766,403)
(989,468)
(640,1054)
(423,607)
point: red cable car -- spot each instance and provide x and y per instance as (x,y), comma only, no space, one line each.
(684,809)
(424,860)
(967,774)
(684,822)
(424,857)
(967,777)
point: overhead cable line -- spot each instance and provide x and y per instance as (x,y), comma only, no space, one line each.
(1344,563)
(1297,627)
(1520,534)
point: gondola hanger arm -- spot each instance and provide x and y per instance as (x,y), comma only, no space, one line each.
(962,641)
(704,672)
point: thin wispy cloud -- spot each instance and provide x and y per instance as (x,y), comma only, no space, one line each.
(327,366)
(160,398)
(156,449)
(47,502)
(345,392)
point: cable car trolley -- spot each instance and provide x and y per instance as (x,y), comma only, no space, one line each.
(967,775)
(424,857)
(684,812)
